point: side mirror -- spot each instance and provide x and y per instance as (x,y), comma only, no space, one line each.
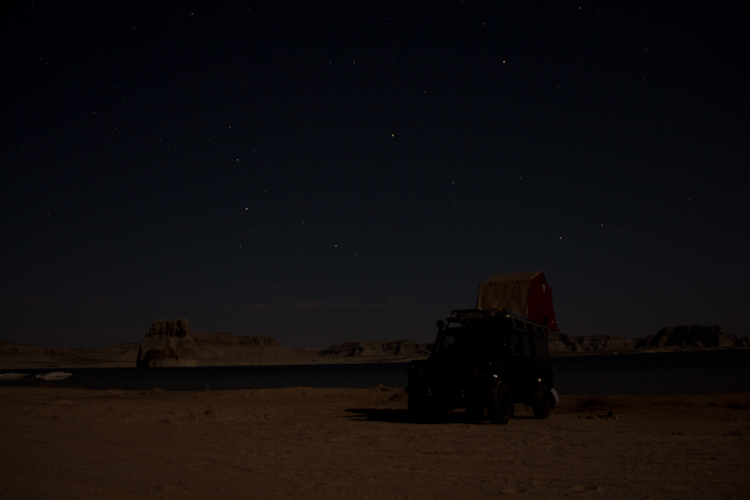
(440,324)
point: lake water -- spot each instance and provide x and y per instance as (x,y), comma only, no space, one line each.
(697,372)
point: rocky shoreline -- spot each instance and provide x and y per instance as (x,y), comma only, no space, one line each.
(225,349)
(221,349)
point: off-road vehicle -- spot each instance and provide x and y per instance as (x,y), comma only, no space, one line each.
(484,360)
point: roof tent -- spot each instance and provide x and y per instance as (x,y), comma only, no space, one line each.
(523,293)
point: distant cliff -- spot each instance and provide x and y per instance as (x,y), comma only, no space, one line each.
(562,342)
(211,349)
(376,349)
(10,349)
(689,336)
(695,336)
(229,340)
(227,349)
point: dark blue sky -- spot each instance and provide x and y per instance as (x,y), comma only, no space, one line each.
(338,171)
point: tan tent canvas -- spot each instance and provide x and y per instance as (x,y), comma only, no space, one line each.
(523,293)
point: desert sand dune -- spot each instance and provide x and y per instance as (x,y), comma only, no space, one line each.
(360,443)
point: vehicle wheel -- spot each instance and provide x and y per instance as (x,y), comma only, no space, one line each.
(475,410)
(420,406)
(500,404)
(542,402)
(417,400)
(476,400)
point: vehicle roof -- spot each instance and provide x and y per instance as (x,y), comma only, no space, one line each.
(497,278)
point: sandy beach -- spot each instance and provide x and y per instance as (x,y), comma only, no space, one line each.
(359,443)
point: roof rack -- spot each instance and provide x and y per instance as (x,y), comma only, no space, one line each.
(474,314)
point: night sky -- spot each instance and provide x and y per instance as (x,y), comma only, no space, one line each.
(324,172)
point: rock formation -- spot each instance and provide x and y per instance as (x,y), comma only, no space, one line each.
(377,348)
(216,349)
(11,349)
(688,336)
(604,342)
(119,351)
(227,339)
(562,342)
(168,343)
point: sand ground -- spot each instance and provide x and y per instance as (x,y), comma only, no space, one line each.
(359,443)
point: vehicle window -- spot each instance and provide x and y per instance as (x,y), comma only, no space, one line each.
(516,344)
(454,341)
(520,345)
(526,346)
(541,347)
(463,340)
(448,340)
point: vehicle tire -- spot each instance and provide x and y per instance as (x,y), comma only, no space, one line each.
(500,404)
(475,410)
(419,404)
(542,402)
(476,402)
(417,400)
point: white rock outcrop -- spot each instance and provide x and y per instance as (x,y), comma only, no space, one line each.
(168,343)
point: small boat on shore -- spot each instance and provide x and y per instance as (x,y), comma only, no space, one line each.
(53,376)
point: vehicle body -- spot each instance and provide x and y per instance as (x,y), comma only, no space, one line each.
(484,360)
